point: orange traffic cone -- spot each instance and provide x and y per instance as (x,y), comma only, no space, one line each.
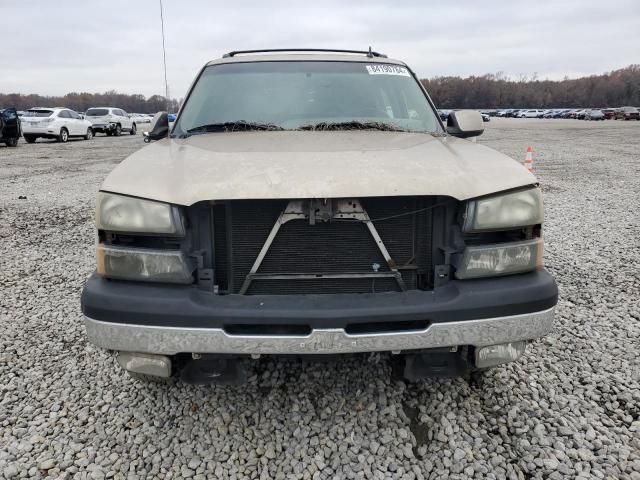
(528,160)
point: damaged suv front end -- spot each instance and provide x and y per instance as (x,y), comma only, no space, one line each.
(323,211)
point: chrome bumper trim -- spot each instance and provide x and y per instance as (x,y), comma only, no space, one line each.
(172,340)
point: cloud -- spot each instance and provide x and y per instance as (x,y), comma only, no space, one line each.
(87,46)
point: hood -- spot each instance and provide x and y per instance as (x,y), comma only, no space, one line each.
(329,164)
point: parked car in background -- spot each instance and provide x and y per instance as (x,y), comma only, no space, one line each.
(59,123)
(580,114)
(140,118)
(529,113)
(609,113)
(485,117)
(593,114)
(443,114)
(111,121)
(10,128)
(628,113)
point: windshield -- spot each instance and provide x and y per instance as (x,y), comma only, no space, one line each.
(37,113)
(97,112)
(294,95)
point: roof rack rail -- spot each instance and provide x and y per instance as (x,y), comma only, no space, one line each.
(370,53)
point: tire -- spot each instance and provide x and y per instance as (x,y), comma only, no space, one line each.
(108,133)
(133,130)
(89,134)
(143,378)
(64,135)
(30,139)
(118,130)
(13,142)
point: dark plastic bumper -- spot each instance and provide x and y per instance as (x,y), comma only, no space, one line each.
(188,307)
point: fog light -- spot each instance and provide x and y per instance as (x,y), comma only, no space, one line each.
(145,363)
(493,355)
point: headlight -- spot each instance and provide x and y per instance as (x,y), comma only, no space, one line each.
(500,259)
(118,213)
(169,266)
(503,212)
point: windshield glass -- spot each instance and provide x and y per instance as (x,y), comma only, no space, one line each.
(96,112)
(294,95)
(37,113)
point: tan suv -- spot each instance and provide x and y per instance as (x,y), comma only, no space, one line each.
(312,202)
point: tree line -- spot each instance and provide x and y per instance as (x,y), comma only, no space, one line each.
(80,102)
(612,89)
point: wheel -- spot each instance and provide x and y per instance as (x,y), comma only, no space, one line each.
(89,134)
(141,377)
(64,135)
(30,138)
(109,133)
(13,142)
(118,131)
(133,130)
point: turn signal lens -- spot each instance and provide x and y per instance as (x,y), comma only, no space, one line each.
(500,259)
(141,264)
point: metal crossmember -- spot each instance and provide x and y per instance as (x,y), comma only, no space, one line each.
(345,209)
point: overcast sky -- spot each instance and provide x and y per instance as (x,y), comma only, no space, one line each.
(52,48)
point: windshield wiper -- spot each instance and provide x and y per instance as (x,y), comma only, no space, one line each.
(352,125)
(237,126)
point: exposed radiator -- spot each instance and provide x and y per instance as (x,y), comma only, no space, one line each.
(324,251)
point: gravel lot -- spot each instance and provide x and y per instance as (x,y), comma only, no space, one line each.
(569,409)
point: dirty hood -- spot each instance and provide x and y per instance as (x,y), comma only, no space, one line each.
(296,164)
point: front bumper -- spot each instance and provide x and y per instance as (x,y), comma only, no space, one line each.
(167,320)
(173,340)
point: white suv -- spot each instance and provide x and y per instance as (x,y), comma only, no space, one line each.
(58,123)
(529,113)
(109,120)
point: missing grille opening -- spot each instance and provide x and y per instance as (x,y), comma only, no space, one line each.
(246,329)
(386,327)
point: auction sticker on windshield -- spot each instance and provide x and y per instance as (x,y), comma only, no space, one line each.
(383,69)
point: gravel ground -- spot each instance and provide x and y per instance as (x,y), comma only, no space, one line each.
(569,409)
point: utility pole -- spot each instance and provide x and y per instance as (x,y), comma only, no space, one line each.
(164,58)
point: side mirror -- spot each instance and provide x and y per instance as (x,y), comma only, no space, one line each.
(465,123)
(159,126)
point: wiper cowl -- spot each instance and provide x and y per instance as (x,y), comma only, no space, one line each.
(352,125)
(237,126)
